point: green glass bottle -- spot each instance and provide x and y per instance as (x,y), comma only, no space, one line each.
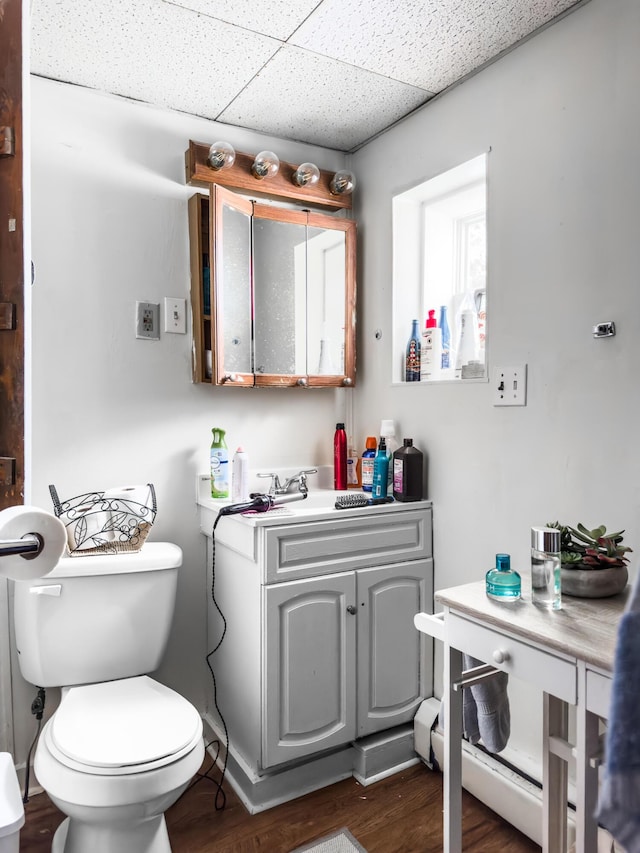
(503,584)
(219,465)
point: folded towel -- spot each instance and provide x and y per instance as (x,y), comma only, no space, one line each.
(485,709)
(619,800)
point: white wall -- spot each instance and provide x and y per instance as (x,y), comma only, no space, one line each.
(109,212)
(562,119)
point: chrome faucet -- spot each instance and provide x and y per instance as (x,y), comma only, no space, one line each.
(277,488)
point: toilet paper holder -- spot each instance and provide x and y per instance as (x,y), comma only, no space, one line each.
(28,546)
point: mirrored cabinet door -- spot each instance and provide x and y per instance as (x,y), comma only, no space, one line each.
(280,293)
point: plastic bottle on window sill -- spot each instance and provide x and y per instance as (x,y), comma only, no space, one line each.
(412,357)
(431,351)
(446,338)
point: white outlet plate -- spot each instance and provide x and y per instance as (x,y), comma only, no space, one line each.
(509,385)
(175,315)
(148,320)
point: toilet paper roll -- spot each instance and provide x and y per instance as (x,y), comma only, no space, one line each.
(130,507)
(19,521)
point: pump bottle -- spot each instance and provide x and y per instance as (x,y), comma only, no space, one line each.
(431,353)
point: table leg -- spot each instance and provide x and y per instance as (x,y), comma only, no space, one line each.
(587,747)
(452,752)
(554,777)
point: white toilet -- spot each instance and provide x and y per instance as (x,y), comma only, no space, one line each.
(121,747)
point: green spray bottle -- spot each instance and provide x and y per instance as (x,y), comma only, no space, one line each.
(219,465)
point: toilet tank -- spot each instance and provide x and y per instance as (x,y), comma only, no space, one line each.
(97,618)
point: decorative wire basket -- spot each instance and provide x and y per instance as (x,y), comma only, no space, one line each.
(107,522)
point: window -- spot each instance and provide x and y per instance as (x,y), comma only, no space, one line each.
(439,274)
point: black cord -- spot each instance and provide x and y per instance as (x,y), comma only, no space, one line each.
(37,709)
(220,797)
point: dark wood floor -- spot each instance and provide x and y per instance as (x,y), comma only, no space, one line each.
(401,814)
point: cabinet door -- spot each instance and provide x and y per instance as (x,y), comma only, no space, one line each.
(309,673)
(391,660)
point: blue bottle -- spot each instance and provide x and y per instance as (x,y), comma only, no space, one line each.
(366,464)
(446,337)
(412,360)
(380,471)
(503,584)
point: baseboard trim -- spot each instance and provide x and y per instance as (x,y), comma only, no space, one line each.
(368,760)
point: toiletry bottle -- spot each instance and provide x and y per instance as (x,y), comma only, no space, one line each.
(353,469)
(219,465)
(545,568)
(412,357)
(388,432)
(467,349)
(446,338)
(340,458)
(380,470)
(366,465)
(503,583)
(407,472)
(431,352)
(240,476)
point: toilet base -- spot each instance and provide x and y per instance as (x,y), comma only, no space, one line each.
(149,836)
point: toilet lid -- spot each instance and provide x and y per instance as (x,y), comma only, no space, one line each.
(134,721)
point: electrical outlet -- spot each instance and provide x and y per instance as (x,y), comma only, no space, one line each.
(510,386)
(175,315)
(148,320)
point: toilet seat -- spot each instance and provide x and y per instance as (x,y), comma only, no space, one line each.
(122,727)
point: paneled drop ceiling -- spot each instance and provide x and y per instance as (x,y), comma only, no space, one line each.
(330,72)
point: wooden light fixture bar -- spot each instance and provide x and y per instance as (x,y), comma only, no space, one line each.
(240,177)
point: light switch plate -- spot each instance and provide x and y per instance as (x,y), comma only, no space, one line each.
(509,385)
(175,315)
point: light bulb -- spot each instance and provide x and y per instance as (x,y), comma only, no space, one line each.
(221,156)
(265,165)
(306,175)
(342,183)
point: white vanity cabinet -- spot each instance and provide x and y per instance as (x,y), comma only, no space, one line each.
(320,650)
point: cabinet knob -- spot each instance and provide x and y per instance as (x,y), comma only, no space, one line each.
(352,609)
(302,382)
(347,381)
(500,656)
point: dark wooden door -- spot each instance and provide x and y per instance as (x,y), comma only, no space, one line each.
(11,257)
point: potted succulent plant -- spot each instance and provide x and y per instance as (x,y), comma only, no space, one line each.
(593,562)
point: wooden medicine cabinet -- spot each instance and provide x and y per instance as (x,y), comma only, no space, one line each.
(273,293)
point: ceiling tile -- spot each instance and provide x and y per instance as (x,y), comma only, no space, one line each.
(277,18)
(300,95)
(148,50)
(426,43)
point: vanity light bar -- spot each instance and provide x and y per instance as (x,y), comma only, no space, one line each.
(284,184)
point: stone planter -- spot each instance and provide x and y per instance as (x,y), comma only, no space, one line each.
(593,583)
